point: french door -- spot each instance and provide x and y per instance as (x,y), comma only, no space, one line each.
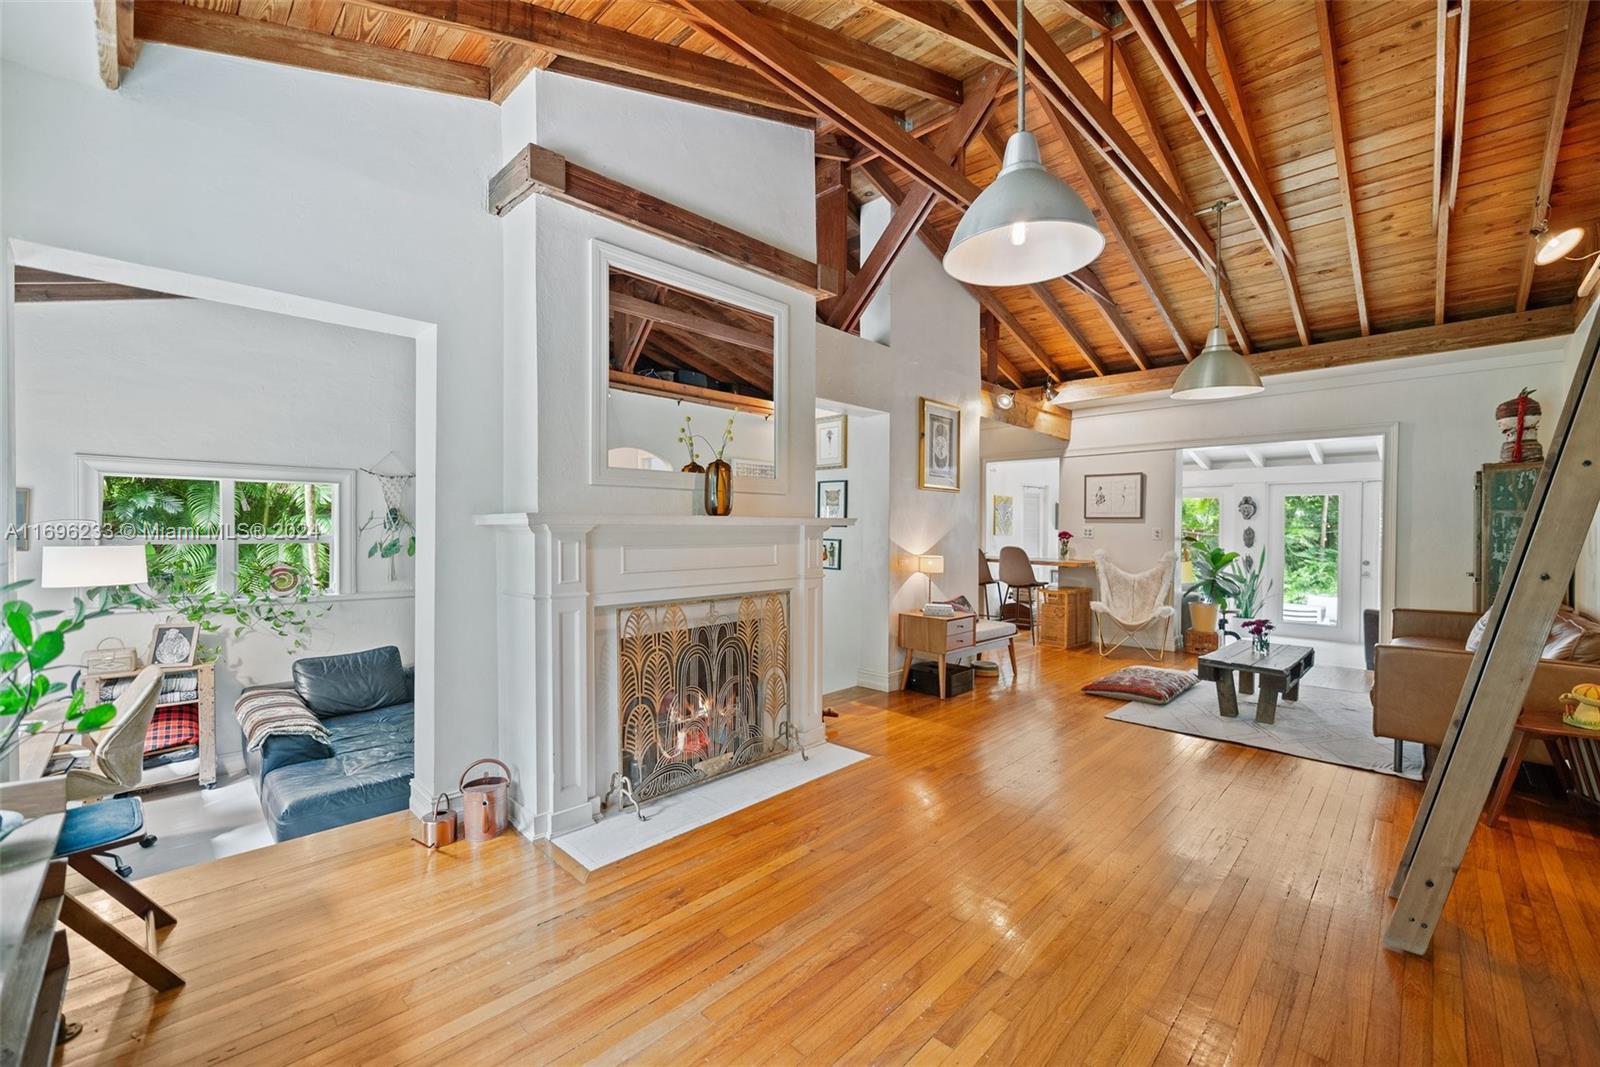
(1315,538)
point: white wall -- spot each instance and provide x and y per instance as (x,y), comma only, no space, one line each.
(855,631)
(1001,440)
(366,195)
(1442,410)
(1008,478)
(933,352)
(753,175)
(192,380)
(652,423)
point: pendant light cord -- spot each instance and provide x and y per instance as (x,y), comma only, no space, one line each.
(1216,290)
(1022,111)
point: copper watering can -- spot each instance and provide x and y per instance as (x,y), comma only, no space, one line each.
(484,802)
(438,827)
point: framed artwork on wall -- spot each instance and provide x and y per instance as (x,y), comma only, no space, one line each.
(939,446)
(833,499)
(1004,510)
(1113,496)
(833,443)
(832,552)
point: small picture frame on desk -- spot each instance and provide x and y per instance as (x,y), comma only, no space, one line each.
(174,644)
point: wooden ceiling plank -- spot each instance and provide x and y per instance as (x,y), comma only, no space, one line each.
(786,64)
(1450,85)
(169,22)
(1092,13)
(1130,248)
(591,42)
(1577,17)
(940,19)
(1230,81)
(626,79)
(1059,316)
(912,211)
(1147,119)
(1341,153)
(1052,74)
(837,49)
(638,307)
(536,170)
(1027,410)
(1398,344)
(1162,30)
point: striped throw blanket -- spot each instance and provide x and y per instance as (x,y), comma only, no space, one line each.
(269,712)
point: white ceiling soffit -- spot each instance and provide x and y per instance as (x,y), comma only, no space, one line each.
(1322,451)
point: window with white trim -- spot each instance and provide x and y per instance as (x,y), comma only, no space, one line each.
(231,529)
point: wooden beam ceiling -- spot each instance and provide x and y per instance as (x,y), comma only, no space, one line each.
(1341,153)
(1452,33)
(832,47)
(1027,410)
(1577,17)
(36,286)
(667,315)
(115,44)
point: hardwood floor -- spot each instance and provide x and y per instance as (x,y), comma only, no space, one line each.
(1011,879)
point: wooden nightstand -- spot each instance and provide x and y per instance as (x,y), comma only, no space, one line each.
(935,636)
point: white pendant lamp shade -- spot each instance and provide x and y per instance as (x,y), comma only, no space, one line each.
(91,566)
(1217,372)
(1028,226)
(1551,245)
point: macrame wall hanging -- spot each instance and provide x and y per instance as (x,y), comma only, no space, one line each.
(396,533)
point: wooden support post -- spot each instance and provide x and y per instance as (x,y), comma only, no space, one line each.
(833,229)
(1553,532)
(539,170)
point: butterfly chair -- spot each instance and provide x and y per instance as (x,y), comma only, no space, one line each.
(1136,603)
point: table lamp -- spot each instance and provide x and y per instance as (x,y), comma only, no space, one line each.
(930,565)
(92,566)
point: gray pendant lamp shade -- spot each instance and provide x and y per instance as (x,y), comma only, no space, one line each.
(1218,371)
(1029,226)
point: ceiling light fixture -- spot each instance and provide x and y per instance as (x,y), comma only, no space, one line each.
(1049,394)
(1549,246)
(1218,371)
(1028,226)
(1004,401)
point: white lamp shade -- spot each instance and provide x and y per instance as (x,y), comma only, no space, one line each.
(930,564)
(1217,373)
(1553,244)
(89,566)
(1028,226)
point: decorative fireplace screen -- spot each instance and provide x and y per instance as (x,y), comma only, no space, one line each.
(703,689)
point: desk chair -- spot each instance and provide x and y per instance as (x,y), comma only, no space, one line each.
(986,578)
(117,763)
(1016,573)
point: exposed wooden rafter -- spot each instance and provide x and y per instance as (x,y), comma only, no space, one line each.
(833,47)
(37,286)
(1449,114)
(1577,17)
(1467,333)
(636,383)
(1341,152)
(539,170)
(1027,410)
(833,229)
(667,315)
(911,212)
(1161,29)
(115,44)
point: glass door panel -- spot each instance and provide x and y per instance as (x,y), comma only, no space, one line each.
(1316,570)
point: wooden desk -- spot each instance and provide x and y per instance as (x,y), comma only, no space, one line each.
(935,636)
(33,950)
(1573,758)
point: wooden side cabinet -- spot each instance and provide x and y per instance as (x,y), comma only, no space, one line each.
(935,636)
(205,676)
(1063,616)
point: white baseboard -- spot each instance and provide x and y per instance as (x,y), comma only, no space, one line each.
(882,681)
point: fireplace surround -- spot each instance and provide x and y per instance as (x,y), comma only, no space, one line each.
(567,586)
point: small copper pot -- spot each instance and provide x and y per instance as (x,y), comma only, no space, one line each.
(438,827)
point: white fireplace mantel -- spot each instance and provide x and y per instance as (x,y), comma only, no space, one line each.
(563,576)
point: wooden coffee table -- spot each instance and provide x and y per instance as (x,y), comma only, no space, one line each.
(1279,669)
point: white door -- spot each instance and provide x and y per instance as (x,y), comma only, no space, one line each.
(1371,545)
(1033,520)
(1314,560)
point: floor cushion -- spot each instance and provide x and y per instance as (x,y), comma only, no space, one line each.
(1147,685)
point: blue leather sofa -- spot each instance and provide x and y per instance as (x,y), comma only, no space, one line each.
(365,768)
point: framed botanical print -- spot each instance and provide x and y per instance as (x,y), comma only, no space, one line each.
(832,550)
(833,499)
(833,443)
(1113,496)
(939,449)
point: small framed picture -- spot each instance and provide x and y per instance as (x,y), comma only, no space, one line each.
(1113,496)
(24,517)
(832,551)
(833,499)
(173,644)
(940,446)
(833,443)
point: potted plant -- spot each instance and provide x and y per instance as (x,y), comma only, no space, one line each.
(1214,581)
(1251,589)
(29,650)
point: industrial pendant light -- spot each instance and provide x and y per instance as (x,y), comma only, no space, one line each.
(1218,371)
(1028,226)
(1551,245)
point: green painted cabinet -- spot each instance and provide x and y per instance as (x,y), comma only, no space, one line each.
(1503,491)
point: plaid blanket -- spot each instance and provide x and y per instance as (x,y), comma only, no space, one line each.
(172,727)
(268,712)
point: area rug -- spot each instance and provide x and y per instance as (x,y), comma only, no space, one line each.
(1330,725)
(620,835)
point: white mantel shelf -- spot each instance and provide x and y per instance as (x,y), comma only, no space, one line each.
(525,520)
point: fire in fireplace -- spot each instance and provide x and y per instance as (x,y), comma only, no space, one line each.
(703,690)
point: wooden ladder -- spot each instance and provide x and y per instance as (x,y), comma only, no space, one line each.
(1546,552)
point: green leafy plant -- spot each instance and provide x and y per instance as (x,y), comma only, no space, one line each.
(28,652)
(284,609)
(1251,588)
(1213,570)
(398,534)
(686,437)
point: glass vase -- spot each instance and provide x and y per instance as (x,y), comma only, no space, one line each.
(719,487)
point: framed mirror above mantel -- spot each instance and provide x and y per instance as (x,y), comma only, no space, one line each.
(668,344)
